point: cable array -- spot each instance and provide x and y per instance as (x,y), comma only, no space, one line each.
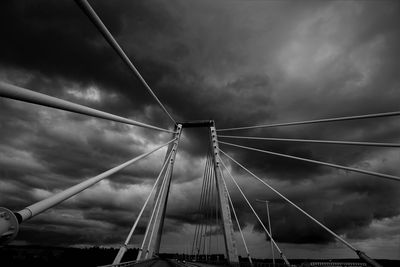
(89,11)
(151,220)
(236,219)
(22,94)
(255,213)
(330,142)
(361,254)
(203,234)
(56,199)
(209,207)
(347,118)
(124,247)
(382,175)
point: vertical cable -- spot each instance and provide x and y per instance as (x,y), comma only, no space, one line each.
(212,208)
(202,201)
(203,242)
(199,237)
(199,207)
(216,216)
(212,202)
(206,214)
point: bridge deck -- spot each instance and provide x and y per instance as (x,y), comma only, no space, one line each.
(159,262)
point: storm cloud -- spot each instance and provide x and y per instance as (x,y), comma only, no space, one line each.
(239,63)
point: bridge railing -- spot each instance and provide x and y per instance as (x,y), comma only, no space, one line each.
(141,263)
(237,264)
(262,264)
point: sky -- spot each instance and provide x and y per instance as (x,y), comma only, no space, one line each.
(239,63)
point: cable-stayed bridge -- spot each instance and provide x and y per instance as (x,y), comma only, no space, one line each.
(215,206)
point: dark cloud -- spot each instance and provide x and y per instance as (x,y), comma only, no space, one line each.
(239,63)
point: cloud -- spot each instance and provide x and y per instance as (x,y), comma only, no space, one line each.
(239,63)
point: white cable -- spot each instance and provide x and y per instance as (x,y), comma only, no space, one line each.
(367,116)
(297,207)
(382,175)
(255,213)
(236,218)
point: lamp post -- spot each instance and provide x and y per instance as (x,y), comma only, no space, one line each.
(269,228)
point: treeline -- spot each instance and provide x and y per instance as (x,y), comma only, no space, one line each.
(35,256)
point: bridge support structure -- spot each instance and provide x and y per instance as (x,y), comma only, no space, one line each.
(9,226)
(158,224)
(225,213)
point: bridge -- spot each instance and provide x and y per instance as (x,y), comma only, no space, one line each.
(216,205)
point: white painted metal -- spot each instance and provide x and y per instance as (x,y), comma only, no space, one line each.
(124,247)
(367,116)
(155,207)
(359,253)
(255,213)
(47,203)
(159,223)
(9,226)
(387,176)
(203,229)
(313,141)
(88,10)
(162,193)
(195,248)
(210,212)
(22,94)
(297,207)
(237,222)
(229,237)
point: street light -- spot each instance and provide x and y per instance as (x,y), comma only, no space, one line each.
(269,228)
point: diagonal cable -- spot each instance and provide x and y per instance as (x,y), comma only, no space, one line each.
(361,254)
(152,214)
(387,176)
(88,10)
(162,192)
(198,232)
(290,202)
(236,219)
(207,234)
(313,141)
(254,212)
(124,247)
(358,117)
(217,219)
(57,198)
(22,94)
(204,210)
(199,207)
(211,210)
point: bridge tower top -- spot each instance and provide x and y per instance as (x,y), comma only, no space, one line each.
(197,123)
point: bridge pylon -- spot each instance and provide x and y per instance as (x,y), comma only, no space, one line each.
(158,224)
(225,213)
